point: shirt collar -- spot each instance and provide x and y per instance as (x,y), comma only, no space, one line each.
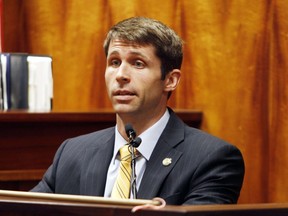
(149,137)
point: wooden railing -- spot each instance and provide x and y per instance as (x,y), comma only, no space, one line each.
(27,203)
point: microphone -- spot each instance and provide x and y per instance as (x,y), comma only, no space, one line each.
(134,142)
(130,132)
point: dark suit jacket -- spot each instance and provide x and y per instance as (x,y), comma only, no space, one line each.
(204,169)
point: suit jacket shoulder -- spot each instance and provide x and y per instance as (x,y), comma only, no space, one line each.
(202,168)
(80,165)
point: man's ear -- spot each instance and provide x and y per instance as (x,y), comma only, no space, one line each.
(172,79)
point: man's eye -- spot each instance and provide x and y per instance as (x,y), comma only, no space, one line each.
(139,64)
(115,63)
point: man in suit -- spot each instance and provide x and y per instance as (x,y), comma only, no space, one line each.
(178,163)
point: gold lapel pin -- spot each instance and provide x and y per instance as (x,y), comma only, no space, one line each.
(167,161)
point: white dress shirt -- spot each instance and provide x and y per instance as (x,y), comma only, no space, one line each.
(149,139)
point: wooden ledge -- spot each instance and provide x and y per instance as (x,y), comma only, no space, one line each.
(21,175)
(71,116)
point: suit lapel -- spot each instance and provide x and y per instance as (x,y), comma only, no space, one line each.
(157,169)
(95,165)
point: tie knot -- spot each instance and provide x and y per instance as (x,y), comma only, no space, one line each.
(125,154)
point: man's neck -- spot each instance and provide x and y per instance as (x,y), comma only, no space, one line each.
(138,124)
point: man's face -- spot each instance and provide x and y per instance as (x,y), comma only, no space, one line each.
(133,79)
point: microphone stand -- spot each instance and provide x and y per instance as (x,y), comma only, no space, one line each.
(133,144)
(133,174)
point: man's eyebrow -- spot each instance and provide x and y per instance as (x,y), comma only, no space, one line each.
(113,53)
(136,53)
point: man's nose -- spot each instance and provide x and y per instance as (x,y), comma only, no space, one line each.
(123,74)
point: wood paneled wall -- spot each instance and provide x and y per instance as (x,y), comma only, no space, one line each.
(235,68)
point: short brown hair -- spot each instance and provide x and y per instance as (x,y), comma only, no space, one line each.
(146,31)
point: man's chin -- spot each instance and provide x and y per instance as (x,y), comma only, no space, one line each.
(123,109)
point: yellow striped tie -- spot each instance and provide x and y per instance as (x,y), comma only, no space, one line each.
(122,184)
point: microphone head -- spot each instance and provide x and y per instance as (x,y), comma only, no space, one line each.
(136,142)
(130,131)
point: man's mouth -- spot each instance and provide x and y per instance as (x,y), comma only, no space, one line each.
(123,93)
(124,96)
